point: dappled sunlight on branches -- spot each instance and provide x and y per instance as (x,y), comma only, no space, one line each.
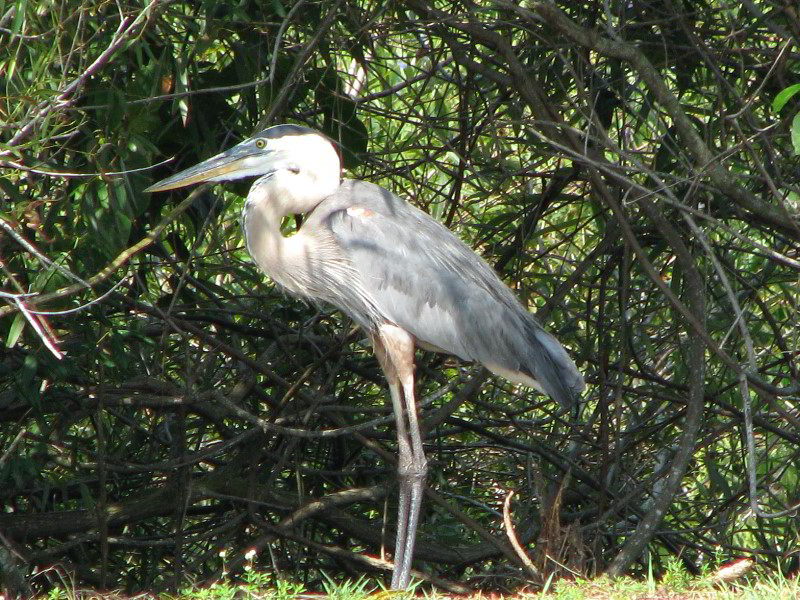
(630,169)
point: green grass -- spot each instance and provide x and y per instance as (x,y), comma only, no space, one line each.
(770,588)
(676,584)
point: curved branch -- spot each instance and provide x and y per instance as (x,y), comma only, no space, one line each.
(704,158)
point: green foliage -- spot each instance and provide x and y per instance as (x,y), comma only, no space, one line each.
(781,100)
(676,577)
(598,183)
(348,589)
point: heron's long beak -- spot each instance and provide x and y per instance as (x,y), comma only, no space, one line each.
(243,160)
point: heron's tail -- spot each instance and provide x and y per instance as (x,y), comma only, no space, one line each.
(553,369)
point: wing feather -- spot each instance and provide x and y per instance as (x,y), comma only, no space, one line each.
(423,278)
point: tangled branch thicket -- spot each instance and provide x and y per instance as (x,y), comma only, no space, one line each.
(628,168)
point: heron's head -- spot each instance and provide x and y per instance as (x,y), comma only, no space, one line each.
(298,167)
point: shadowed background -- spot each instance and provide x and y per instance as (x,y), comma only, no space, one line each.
(629,170)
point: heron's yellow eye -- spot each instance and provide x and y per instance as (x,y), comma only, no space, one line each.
(261,144)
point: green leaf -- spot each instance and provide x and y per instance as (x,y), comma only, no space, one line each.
(19,17)
(16,330)
(784,96)
(26,384)
(11,190)
(279,9)
(719,485)
(108,213)
(86,496)
(796,133)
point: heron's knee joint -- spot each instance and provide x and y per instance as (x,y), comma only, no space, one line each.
(413,471)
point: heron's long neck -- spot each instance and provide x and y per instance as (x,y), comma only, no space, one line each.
(279,257)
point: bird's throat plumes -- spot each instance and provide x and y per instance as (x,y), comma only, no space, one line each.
(276,255)
(305,170)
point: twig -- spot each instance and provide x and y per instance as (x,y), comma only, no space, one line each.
(512,537)
(279,37)
(751,456)
(41,328)
(286,88)
(120,260)
(13,445)
(128,28)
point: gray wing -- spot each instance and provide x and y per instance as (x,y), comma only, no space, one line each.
(422,278)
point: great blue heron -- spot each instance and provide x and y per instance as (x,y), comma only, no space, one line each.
(398,273)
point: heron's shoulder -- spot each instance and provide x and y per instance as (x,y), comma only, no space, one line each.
(361,198)
(353,192)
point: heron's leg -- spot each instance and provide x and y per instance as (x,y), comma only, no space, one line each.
(396,353)
(416,475)
(403,450)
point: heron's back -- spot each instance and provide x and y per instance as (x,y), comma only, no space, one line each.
(418,275)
